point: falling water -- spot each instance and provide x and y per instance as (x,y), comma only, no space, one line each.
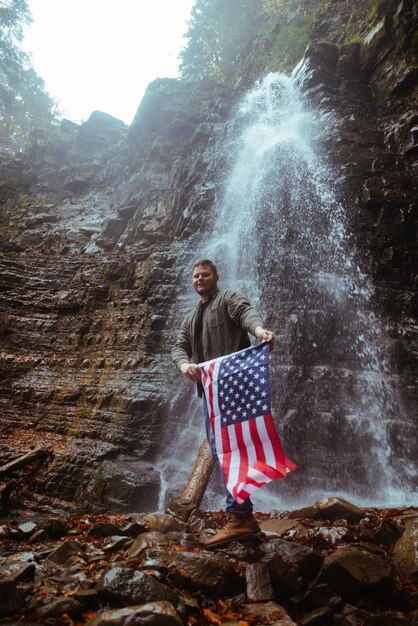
(281,236)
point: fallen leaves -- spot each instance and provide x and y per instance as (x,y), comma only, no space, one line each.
(223,612)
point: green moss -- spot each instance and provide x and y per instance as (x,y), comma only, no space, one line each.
(115,286)
(292,40)
(360,23)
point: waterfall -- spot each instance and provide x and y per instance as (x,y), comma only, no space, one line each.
(281,236)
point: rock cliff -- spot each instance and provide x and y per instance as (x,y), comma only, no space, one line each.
(100,221)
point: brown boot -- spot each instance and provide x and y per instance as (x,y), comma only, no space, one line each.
(238,528)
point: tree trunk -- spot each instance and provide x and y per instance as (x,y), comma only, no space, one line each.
(199,477)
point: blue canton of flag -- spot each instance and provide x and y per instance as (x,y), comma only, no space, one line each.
(244,386)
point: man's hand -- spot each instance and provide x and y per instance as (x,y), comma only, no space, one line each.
(190,370)
(265,335)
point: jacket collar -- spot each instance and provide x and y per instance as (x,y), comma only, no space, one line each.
(212,294)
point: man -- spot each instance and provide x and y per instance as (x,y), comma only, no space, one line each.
(219,325)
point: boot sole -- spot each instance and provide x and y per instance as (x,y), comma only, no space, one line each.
(245,539)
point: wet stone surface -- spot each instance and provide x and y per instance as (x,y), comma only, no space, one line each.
(308,578)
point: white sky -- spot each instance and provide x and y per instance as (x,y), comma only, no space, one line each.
(102,54)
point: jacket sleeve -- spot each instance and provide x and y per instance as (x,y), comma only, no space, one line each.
(182,350)
(241,311)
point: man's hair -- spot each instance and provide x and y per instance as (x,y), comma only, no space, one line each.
(211,264)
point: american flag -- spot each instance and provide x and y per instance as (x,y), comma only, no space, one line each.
(238,399)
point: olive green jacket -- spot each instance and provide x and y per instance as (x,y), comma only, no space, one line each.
(227,320)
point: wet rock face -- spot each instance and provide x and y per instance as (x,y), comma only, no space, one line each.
(87,274)
(378,185)
(100,223)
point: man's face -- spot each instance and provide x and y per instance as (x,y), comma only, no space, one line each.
(204,280)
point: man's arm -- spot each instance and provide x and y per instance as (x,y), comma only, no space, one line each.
(182,352)
(243,314)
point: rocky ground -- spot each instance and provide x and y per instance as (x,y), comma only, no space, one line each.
(329,563)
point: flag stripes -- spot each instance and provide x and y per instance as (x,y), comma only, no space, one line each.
(238,399)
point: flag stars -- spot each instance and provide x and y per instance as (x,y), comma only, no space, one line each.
(243,386)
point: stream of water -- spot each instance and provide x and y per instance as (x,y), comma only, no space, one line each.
(281,236)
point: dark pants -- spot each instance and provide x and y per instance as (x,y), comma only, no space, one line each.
(232,506)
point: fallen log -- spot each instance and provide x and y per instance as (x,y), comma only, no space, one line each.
(199,477)
(24,459)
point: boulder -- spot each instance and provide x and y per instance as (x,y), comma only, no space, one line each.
(241,552)
(6,490)
(152,614)
(212,574)
(405,555)
(259,588)
(285,577)
(302,557)
(278,526)
(321,595)
(64,553)
(57,607)
(355,568)
(10,600)
(27,529)
(332,509)
(152,539)
(122,485)
(104,529)
(133,529)
(167,523)
(127,585)
(21,557)
(56,527)
(116,542)
(18,572)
